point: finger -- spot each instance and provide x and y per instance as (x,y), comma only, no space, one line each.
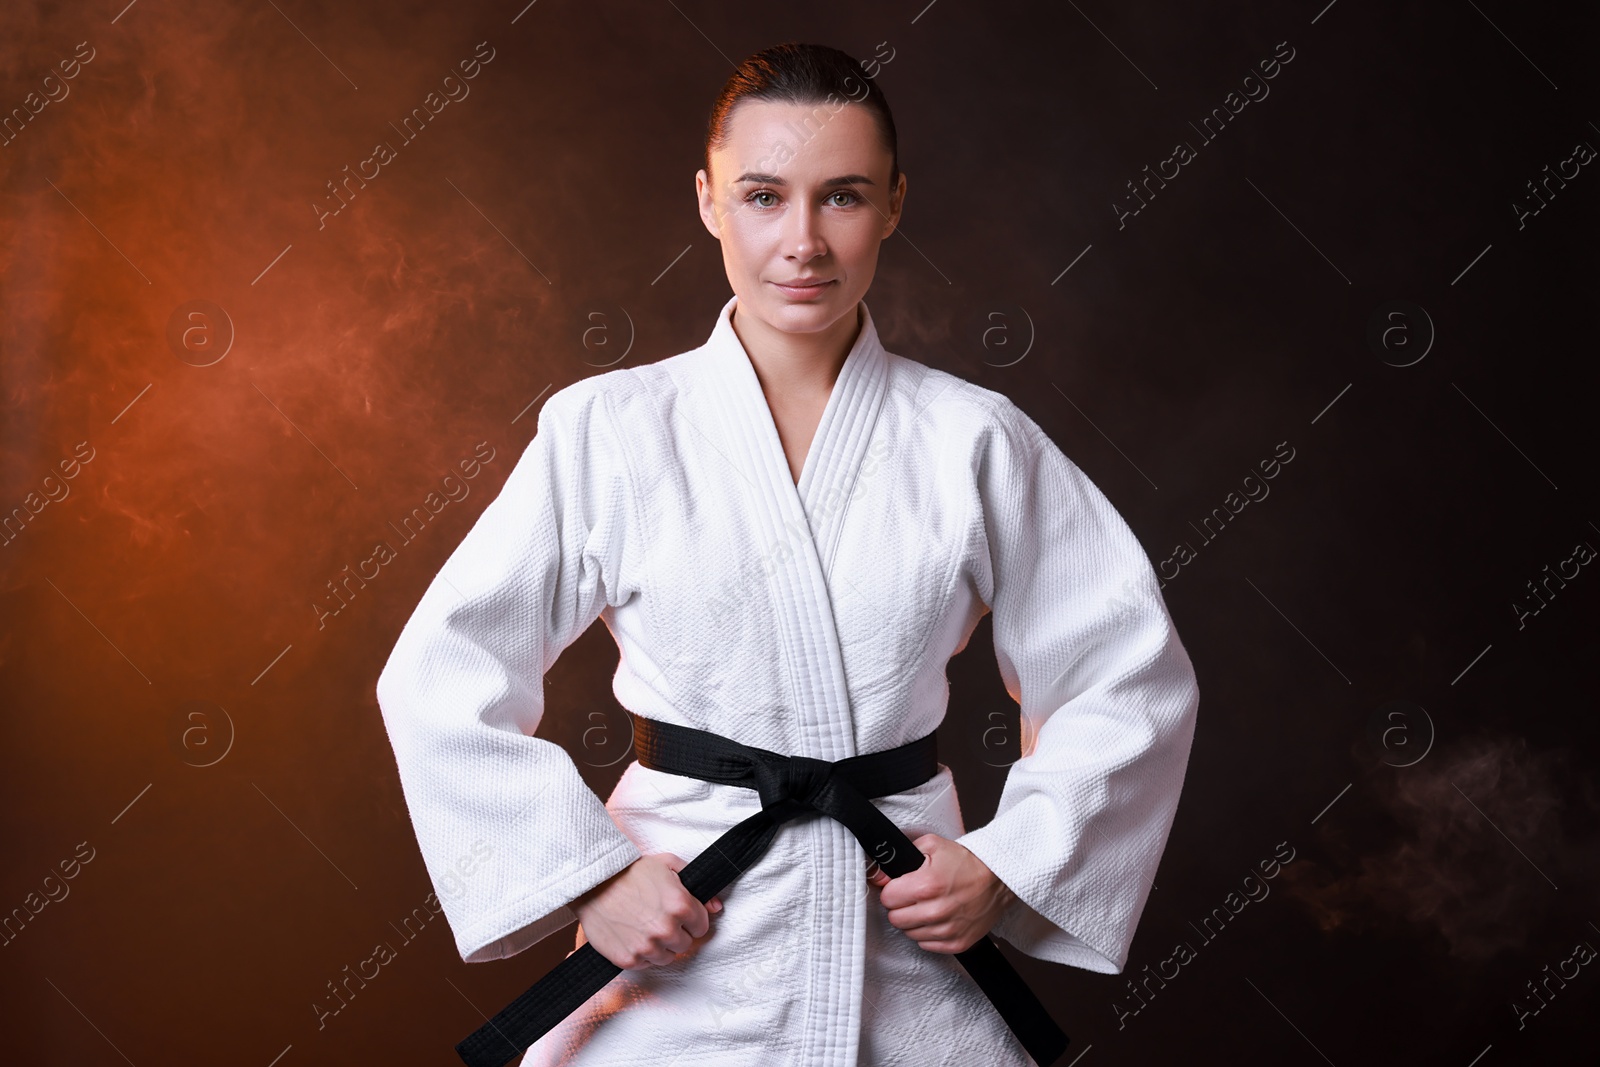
(906,890)
(915,917)
(692,932)
(664,950)
(912,881)
(933,931)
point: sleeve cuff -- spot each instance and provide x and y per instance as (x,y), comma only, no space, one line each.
(532,918)
(1025,922)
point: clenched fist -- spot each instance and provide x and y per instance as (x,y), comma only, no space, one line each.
(642,916)
(949,903)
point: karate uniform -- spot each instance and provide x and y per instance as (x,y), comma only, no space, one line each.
(814,619)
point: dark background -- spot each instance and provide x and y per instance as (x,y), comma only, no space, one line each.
(1368,694)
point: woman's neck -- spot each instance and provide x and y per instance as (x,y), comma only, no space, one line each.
(797,365)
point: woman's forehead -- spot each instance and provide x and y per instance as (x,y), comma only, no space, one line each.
(801,142)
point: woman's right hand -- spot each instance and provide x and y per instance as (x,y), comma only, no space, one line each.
(642,916)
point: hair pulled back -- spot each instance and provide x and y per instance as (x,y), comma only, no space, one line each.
(798,73)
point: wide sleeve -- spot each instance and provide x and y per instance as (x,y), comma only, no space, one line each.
(509,831)
(1108,699)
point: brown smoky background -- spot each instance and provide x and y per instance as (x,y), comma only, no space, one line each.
(1307,289)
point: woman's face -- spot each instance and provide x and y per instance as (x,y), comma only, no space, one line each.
(801,193)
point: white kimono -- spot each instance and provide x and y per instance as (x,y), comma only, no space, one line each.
(812,619)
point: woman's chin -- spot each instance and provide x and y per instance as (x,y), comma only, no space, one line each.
(802,316)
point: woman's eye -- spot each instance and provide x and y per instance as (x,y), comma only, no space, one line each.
(850,198)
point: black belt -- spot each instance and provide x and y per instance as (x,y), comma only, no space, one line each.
(789,786)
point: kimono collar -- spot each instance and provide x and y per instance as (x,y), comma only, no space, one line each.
(866,350)
(834,458)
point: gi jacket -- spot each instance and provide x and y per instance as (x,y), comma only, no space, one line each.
(812,619)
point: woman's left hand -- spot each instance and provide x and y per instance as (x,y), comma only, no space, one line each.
(949,903)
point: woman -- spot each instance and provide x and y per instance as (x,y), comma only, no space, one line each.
(789,531)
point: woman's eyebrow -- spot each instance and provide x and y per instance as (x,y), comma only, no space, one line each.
(773,179)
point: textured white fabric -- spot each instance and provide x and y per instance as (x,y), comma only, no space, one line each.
(812,619)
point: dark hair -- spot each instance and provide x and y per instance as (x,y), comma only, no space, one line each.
(802,74)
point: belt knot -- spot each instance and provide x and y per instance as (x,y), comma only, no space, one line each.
(790,785)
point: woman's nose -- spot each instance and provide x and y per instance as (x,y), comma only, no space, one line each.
(802,235)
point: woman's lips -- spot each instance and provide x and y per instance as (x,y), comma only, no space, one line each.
(802,292)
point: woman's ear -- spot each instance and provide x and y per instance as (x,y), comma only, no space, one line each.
(707,203)
(897,199)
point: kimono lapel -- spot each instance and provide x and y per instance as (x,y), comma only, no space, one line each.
(798,525)
(840,444)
